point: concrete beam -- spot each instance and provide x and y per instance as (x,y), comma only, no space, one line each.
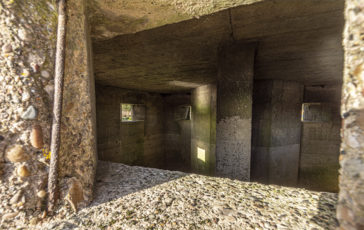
(110,18)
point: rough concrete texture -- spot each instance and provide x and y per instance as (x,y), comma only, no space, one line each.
(78,156)
(161,140)
(320,141)
(134,143)
(143,198)
(297,41)
(203,129)
(276,131)
(177,131)
(234,110)
(131,143)
(350,210)
(111,18)
(27,40)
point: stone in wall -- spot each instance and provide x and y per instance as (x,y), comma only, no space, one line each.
(350,211)
(27,42)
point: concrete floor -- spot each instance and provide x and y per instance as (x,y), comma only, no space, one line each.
(144,198)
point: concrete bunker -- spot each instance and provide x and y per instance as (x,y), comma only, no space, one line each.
(246,68)
(244,76)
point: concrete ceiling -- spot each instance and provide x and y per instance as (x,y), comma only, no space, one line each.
(110,18)
(297,40)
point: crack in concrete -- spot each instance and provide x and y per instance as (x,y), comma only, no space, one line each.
(231,26)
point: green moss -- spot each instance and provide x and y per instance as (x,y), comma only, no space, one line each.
(323,178)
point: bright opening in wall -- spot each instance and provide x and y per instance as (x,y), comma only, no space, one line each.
(182,112)
(201,154)
(315,112)
(132,112)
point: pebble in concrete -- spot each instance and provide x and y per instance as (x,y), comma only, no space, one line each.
(24,35)
(30,114)
(23,171)
(50,90)
(41,194)
(7,48)
(16,154)
(45,74)
(25,96)
(36,137)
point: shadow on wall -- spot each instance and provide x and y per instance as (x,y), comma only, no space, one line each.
(325,208)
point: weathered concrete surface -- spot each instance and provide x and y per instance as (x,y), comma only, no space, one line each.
(108,124)
(27,45)
(111,18)
(78,156)
(350,210)
(161,140)
(234,111)
(203,129)
(297,41)
(30,59)
(320,141)
(131,143)
(276,131)
(134,143)
(144,198)
(177,142)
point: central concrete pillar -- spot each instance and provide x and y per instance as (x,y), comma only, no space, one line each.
(234,111)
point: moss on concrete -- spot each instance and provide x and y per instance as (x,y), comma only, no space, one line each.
(324,178)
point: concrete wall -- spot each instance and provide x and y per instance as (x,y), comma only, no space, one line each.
(350,211)
(131,150)
(78,152)
(234,110)
(27,56)
(134,143)
(203,129)
(276,131)
(320,141)
(161,140)
(27,50)
(153,131)
(108,123)
(177,132)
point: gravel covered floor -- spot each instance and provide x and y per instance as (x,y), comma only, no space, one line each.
(144,198)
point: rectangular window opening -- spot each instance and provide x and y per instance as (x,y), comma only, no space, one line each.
(315,112)
(183,112)
(132,112)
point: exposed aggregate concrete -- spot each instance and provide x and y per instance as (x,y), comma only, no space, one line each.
(144,198)
(27,45)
